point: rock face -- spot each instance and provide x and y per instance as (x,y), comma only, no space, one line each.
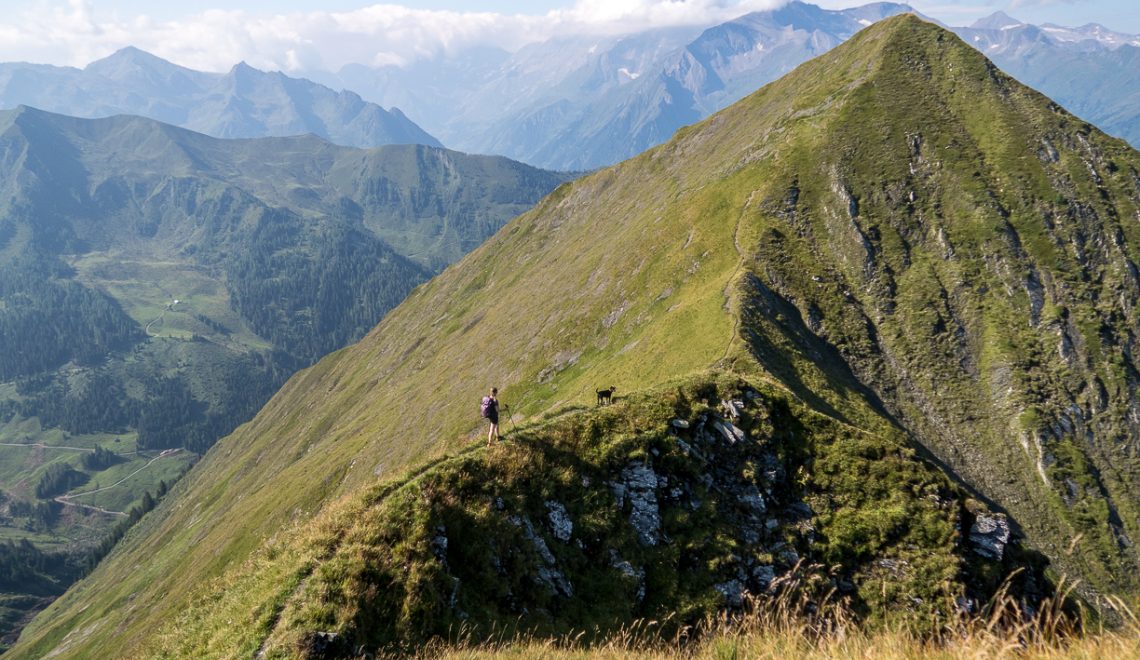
(989,535)
(639,488)
(547,572)
(627,570)
(560,524)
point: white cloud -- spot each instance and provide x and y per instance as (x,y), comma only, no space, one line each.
(75,33)
(1017,4)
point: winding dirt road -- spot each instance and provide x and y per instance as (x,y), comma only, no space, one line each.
(66,499)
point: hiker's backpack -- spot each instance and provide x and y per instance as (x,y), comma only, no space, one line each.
(485,407)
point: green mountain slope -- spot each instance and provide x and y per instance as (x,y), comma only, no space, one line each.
(896,242)
(157,285)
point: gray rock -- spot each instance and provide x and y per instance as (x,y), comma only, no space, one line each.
(326,645)
(617,489)
(773,468)
(560,524)
(764,576)
(555,581)
(733,592)
(1073,492)
(640,483)
(453,600)
(679,424)
(789,557)
(989,535)
(751,498)
(731,432)
(627,569)
(800,510)
(548,573)
(732,408)
(439,547)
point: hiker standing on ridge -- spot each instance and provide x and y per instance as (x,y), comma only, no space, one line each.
(490,409)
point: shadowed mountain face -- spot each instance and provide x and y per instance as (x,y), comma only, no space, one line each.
(243,103)
(895,257)
(158,285)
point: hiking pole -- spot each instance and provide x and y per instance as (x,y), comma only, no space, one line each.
(510,416)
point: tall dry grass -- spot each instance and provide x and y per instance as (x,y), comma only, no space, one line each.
(799,622)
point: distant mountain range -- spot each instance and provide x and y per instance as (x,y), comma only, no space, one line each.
(586,102)
(242,103)
(570,103)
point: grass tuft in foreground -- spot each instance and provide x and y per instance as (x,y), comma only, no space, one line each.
(796,625)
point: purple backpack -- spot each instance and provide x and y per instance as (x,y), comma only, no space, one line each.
(485,407)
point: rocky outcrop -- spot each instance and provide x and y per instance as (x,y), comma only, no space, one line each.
(560,524)
(638,489)
(989,535)
(583,525)
(547,573)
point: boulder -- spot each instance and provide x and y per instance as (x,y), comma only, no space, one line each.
(733,592)
(989,535)
(560,524)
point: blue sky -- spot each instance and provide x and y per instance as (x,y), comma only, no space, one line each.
(306,35)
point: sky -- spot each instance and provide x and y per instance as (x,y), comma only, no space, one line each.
(314,35)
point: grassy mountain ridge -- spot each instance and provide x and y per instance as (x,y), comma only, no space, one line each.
(847,237)
(527,536)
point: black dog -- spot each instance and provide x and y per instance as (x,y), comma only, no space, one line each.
(605,397)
